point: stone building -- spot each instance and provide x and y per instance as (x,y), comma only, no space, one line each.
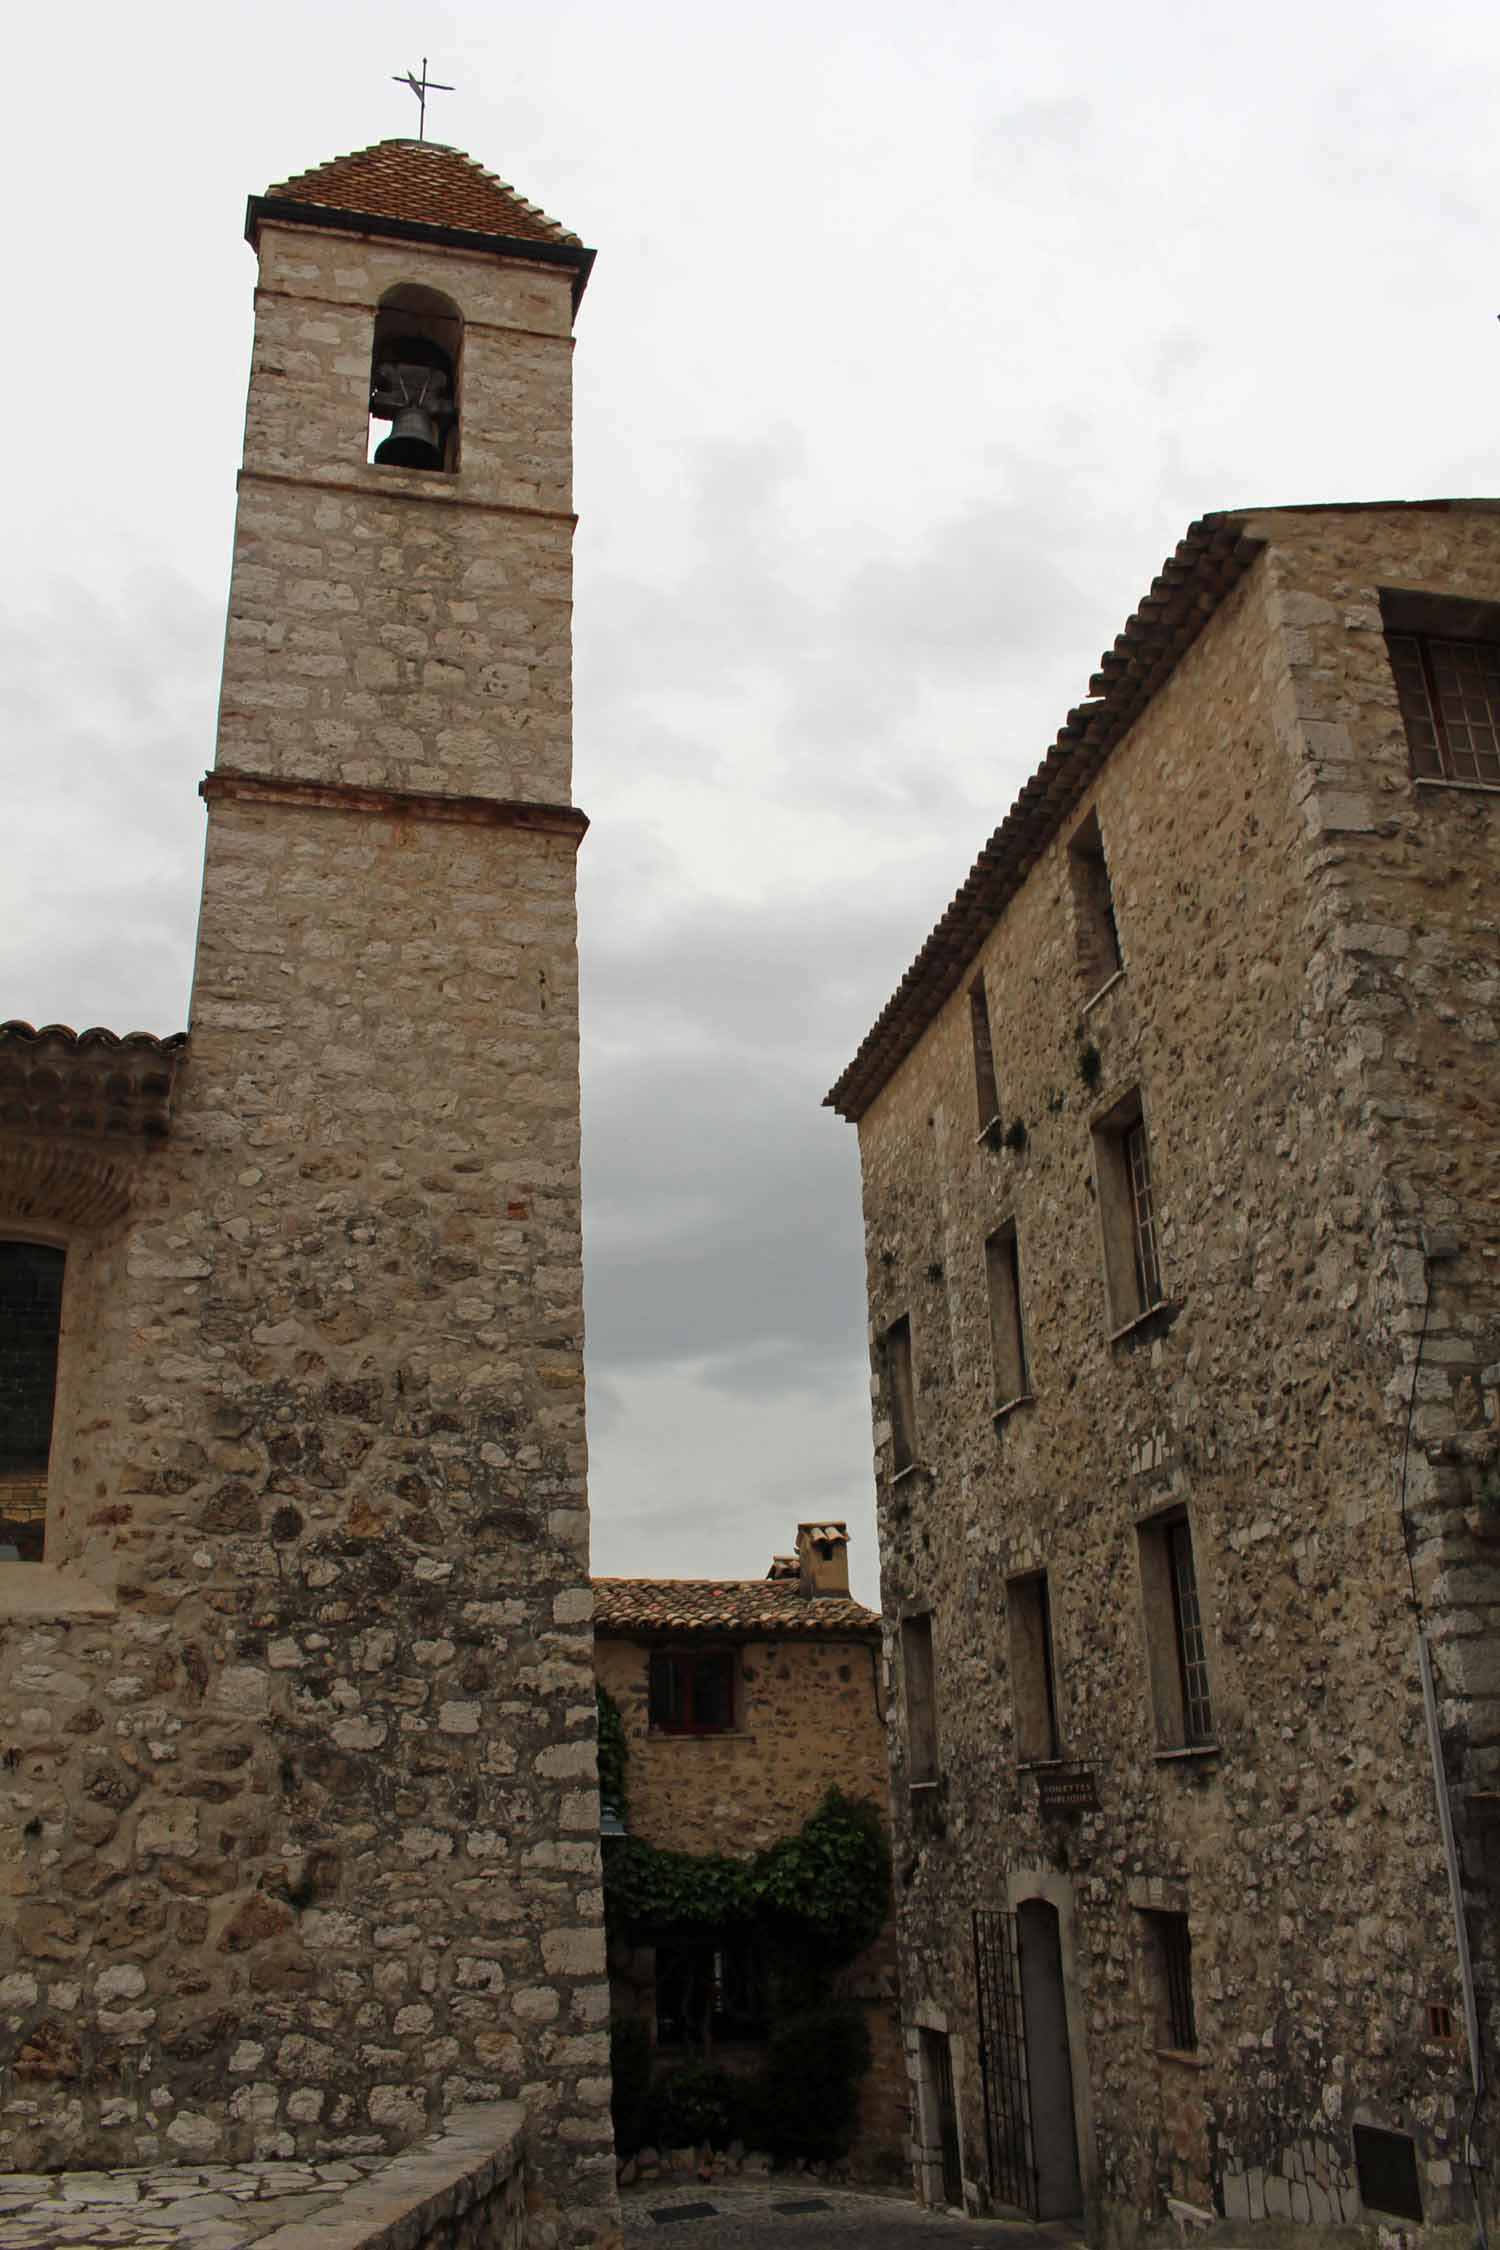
(298,1837)
(743,1702)
(1178,1151)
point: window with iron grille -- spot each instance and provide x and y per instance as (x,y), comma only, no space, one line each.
(1192,1649)
(1449,692)
(31,1281)
(1127,1212)
(1169,1979)
(692,1691)
(1176,1639)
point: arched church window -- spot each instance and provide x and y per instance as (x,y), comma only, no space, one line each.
(31,1277)
(414,375)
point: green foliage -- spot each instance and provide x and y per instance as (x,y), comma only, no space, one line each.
(1015,1135)
(630,2074)
(691,2104)
(829,1884)
(612,1753)
(805,2099)
(647,1889)
(1090,1064)
(833,1878)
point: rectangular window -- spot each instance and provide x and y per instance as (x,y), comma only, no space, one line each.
(1449,692)
(919,1684)
(1098,933)
(692,1691)
(1176,1643)
(1127,1211)
(1002,1265)
(1169,1982)
(986,1085)
(709,1989)
(31,1281)
(1033,1680)
(900,1391)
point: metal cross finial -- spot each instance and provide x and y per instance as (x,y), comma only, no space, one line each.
(421,87)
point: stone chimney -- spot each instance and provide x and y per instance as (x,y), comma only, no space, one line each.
(823,1558)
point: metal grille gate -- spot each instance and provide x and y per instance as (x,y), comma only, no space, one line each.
(1002,2061)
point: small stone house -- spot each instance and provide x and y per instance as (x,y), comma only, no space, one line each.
(743,1701)
(299,1825)
(1183,1254)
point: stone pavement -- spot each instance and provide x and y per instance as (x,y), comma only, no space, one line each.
(797,2213)
(168,2206)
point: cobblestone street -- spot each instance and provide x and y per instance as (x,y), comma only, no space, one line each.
(233,2207)
(168,2207)
(801,2213)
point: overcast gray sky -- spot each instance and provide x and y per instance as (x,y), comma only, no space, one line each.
(917,338)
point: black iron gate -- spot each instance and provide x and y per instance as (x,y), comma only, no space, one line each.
(1002,2060)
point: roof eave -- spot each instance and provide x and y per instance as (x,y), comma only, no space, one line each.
(1205,568)
(739,1629)
(293,213)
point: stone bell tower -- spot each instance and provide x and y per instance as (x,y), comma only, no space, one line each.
(319,1476)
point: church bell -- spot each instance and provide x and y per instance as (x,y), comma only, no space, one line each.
(414,442)
(414,391)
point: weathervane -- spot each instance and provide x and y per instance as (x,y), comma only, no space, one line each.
(421,87)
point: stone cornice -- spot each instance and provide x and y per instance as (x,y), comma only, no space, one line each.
(231,787)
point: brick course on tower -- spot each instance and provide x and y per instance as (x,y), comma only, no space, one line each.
(1178,1150)
(299,1844)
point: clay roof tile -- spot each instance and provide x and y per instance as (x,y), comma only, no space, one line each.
(749,1608)
(424,182)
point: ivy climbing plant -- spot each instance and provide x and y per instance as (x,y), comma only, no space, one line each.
(612,1754)
(830,1883)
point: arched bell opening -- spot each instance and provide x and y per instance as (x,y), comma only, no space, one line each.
(414,376)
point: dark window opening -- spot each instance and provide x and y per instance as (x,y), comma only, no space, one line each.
(941,2121)
(920,1686)
(709,1989)
(900,1393)
(1032,1674)
(1169,1969)
(986,1085)
(1099,955)
(692,1692)
(1385,2165)
(1002,1266)
(414,365)
(1449,691)
(31,1279)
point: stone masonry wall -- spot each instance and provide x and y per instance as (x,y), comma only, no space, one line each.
(1409,969)
(300,1848)
(1263,1397)
(813,1720)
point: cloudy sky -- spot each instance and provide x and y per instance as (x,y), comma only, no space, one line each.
(917,337)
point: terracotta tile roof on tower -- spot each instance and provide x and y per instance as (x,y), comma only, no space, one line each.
(425,183)
(758,1607)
